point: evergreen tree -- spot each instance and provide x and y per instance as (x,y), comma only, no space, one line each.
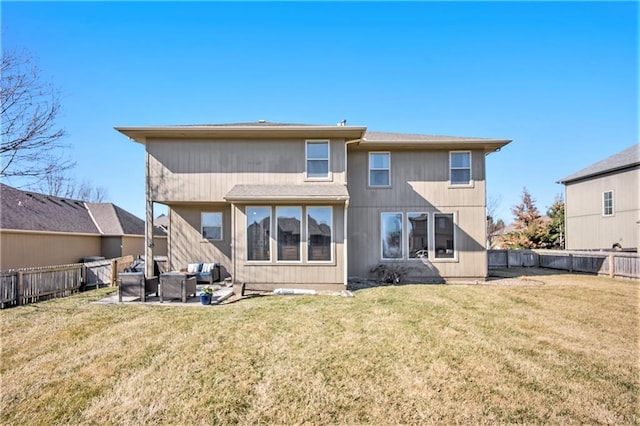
(529,227)
(555,228)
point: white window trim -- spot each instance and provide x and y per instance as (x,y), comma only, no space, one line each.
(329,176)
(302,239)
(432,240)
(402,254)
(221,226)
(613,210)
(331,248)
(246,226)
(461,185)
(369,169)
(429,246)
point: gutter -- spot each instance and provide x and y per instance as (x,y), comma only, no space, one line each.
(345,247)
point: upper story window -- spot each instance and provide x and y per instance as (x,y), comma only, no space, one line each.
(607,203)
(317,159)
(460,167)
(211,224)
(379,169)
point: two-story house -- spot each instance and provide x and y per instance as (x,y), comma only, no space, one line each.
(603,203)
(308,206)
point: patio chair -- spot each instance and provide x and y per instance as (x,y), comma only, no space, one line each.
(176,285)
(134,284)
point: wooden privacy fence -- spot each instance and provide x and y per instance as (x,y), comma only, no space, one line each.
(613,264)
(29,285)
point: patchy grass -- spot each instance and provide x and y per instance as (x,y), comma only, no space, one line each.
(562,351)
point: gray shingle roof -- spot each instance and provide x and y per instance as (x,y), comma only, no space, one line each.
(390,137)
(627,158)
(39,212)
(288,192)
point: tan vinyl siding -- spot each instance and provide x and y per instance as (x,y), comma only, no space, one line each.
(418,178)
(134,245)
(31,249)
(419,184)
(205,170)
(587,228)
(111,246)
(298,275)
(187,244)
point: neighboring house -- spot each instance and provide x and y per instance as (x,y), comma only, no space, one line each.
(308,206)
(602,204)
(162,222)
(43,230)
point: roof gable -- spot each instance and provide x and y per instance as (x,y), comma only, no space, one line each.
(626,158)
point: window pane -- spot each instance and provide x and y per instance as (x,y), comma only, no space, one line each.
(379,160)
(319,232)
(258,230)
(444,243)
(289,219)
(317,168)
(608,203)
(379,178)
(459,176)
(460,159)
(212,226)
(318,150)
(418,236)
(391,235)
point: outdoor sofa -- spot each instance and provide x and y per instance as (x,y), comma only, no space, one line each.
(205,273)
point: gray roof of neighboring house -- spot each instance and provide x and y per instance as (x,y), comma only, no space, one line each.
(624,159)
(32,211)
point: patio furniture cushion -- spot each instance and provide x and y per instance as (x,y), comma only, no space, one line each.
(194,267)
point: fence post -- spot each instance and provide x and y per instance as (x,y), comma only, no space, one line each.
(20,289)
(508,253)
(612,265)
(114,272)
(570,263)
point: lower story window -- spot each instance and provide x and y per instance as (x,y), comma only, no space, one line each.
(391,235)
(418,234)
(211,226)
(444,236)
(319,230)
(258,232)
(288,225)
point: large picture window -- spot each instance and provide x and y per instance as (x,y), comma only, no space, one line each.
(211,224)
(607,203)
(258,233)
(379,169)
(288,224)
(460,165)
(319,231)
(418,234)
(391,232)
(317,159)
(444,235)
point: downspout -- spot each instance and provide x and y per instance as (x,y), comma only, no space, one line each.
(233,241)
(148,234)
(345,248)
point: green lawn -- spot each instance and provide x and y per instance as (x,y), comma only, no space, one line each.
(563,349)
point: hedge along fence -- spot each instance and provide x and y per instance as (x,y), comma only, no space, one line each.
(613,264)
(30,285)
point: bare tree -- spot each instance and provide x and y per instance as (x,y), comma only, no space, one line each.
(494,228)
(58,184)
(31,140)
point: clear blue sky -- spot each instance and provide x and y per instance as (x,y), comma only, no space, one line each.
(560,79)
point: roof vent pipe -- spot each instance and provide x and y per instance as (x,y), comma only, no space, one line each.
(342,123)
